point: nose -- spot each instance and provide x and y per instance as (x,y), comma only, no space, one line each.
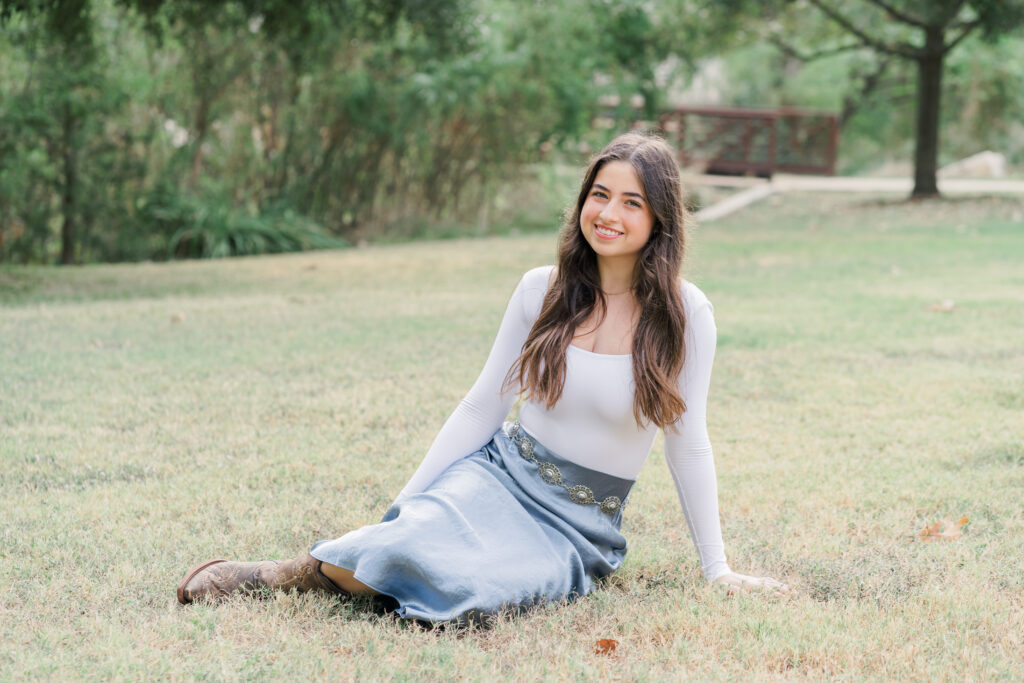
(609,212)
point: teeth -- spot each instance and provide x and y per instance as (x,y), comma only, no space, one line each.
(607,231)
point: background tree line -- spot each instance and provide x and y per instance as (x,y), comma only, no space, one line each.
(153,129)
(149,129)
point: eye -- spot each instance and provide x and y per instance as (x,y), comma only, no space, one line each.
(634,203)
(599,193)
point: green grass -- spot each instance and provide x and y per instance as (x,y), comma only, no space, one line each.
(153,416)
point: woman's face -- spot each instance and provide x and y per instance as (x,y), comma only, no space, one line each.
(615,219)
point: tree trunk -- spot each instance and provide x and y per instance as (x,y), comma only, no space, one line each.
(929,91)
(204,88)
(201,126)
(67,231)
(280,176)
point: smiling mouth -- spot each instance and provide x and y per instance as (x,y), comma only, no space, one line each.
(606,233)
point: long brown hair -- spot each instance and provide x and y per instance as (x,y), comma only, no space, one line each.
(658,347)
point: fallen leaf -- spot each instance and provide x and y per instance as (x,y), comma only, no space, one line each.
(944,530)
(605,646)
(944,306)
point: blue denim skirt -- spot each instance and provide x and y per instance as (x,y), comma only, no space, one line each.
(509,527)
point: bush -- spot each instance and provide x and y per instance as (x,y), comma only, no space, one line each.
(212,229)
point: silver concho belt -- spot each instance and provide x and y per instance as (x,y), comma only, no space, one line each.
(549,472)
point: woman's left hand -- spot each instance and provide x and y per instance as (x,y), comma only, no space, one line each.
(741,582)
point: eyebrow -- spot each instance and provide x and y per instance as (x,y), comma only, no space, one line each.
(630,194)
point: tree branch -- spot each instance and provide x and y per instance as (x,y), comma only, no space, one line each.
(896,14)
(953,11)
(794,52)
(967,29)
(902,49)
(851,103)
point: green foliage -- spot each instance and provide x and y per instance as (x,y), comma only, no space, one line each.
(364,117)
(58,154)
(984,101)
(804,58)
(383,120)
(211,229)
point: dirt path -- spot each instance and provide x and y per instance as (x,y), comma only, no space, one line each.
(759,188)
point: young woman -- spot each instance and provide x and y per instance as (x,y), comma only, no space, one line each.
(607,346)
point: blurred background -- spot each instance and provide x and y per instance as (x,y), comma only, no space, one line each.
(157,129)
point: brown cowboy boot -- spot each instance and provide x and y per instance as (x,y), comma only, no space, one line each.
(217,579)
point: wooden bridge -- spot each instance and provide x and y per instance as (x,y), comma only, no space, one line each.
(758,142)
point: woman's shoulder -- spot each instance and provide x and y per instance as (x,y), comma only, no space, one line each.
(697,307)
(538,278)
(693,296)
(531,291)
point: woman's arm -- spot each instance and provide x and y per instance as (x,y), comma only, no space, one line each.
(687,446)
(689,455)
(480,414)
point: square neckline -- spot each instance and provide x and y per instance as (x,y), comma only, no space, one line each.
(600,355)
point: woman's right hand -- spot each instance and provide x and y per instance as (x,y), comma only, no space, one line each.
(744,583)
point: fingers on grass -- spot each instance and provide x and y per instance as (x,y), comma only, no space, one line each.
(755,585)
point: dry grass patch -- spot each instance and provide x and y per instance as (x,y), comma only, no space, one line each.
(152,416)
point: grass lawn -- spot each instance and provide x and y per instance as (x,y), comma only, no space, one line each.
(156,415)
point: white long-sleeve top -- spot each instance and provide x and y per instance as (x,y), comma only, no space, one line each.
(592,424)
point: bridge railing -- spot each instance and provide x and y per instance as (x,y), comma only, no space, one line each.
(758,142)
